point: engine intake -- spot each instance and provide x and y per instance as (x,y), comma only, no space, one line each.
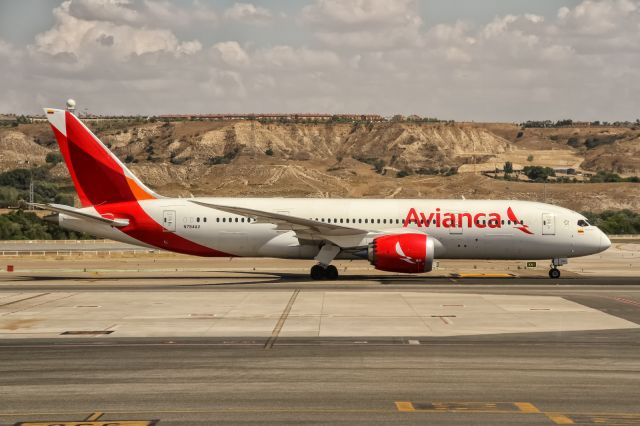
(410,253)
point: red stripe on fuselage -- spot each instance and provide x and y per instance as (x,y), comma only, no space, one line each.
(143,228)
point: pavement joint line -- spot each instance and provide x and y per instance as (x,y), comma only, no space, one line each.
(276,330)
(22,300)
(39,304)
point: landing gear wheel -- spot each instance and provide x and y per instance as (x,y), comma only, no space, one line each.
(317,272)
(554,273)
(331,273)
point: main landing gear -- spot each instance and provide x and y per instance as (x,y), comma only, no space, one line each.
(318,272)
(323,270)
(554,272)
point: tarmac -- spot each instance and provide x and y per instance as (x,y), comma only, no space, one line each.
(163,339)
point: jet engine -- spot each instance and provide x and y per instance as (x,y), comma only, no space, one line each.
(411,253)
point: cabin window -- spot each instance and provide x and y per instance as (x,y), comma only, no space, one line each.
(218,219)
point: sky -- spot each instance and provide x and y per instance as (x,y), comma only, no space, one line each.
(488,60)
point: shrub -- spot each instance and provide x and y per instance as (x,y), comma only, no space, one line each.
(538,173)
(224,159)
(54,157)
(616,221)
(21,225)
(508,167)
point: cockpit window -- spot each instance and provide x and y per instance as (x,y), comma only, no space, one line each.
(583,222)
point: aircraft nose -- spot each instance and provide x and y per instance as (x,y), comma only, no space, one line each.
(605,242)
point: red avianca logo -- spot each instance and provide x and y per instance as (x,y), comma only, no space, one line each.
(438,219)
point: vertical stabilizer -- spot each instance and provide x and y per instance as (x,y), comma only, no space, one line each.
(98,175)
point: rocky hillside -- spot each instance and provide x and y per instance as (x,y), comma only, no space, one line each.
(388,159)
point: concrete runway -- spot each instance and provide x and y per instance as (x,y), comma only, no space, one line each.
(528,351)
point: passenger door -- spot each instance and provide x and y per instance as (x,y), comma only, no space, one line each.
(169,220)
(548,224)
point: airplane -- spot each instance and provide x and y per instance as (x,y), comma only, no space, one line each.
(395,235)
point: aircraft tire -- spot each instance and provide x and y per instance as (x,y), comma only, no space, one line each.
(317,272)
(554,273)
(331,273)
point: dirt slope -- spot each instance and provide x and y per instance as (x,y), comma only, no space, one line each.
(249,158)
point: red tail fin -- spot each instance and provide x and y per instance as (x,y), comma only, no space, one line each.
(98,175)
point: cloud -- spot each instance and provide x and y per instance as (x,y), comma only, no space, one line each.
(116,11)
(289,58)
(344,56)
(248,13)
(231,53)
(365,24)
(87,39)
(142,12)
(349,13)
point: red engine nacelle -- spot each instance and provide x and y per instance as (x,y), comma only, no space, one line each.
(412,253)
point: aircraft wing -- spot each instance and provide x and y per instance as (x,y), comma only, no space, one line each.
(300,225)
(79,214)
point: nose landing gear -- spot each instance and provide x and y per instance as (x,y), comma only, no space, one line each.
(554,272)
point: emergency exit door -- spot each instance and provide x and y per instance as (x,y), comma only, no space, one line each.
(548,224)
(169,220)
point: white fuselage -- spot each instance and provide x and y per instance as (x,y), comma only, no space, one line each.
(461,229)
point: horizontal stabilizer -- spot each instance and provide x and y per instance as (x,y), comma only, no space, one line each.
(80,214)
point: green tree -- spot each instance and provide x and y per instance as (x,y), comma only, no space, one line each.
(538,173)
(508,168)
(54,157)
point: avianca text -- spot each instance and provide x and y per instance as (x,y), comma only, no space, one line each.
(440,219)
